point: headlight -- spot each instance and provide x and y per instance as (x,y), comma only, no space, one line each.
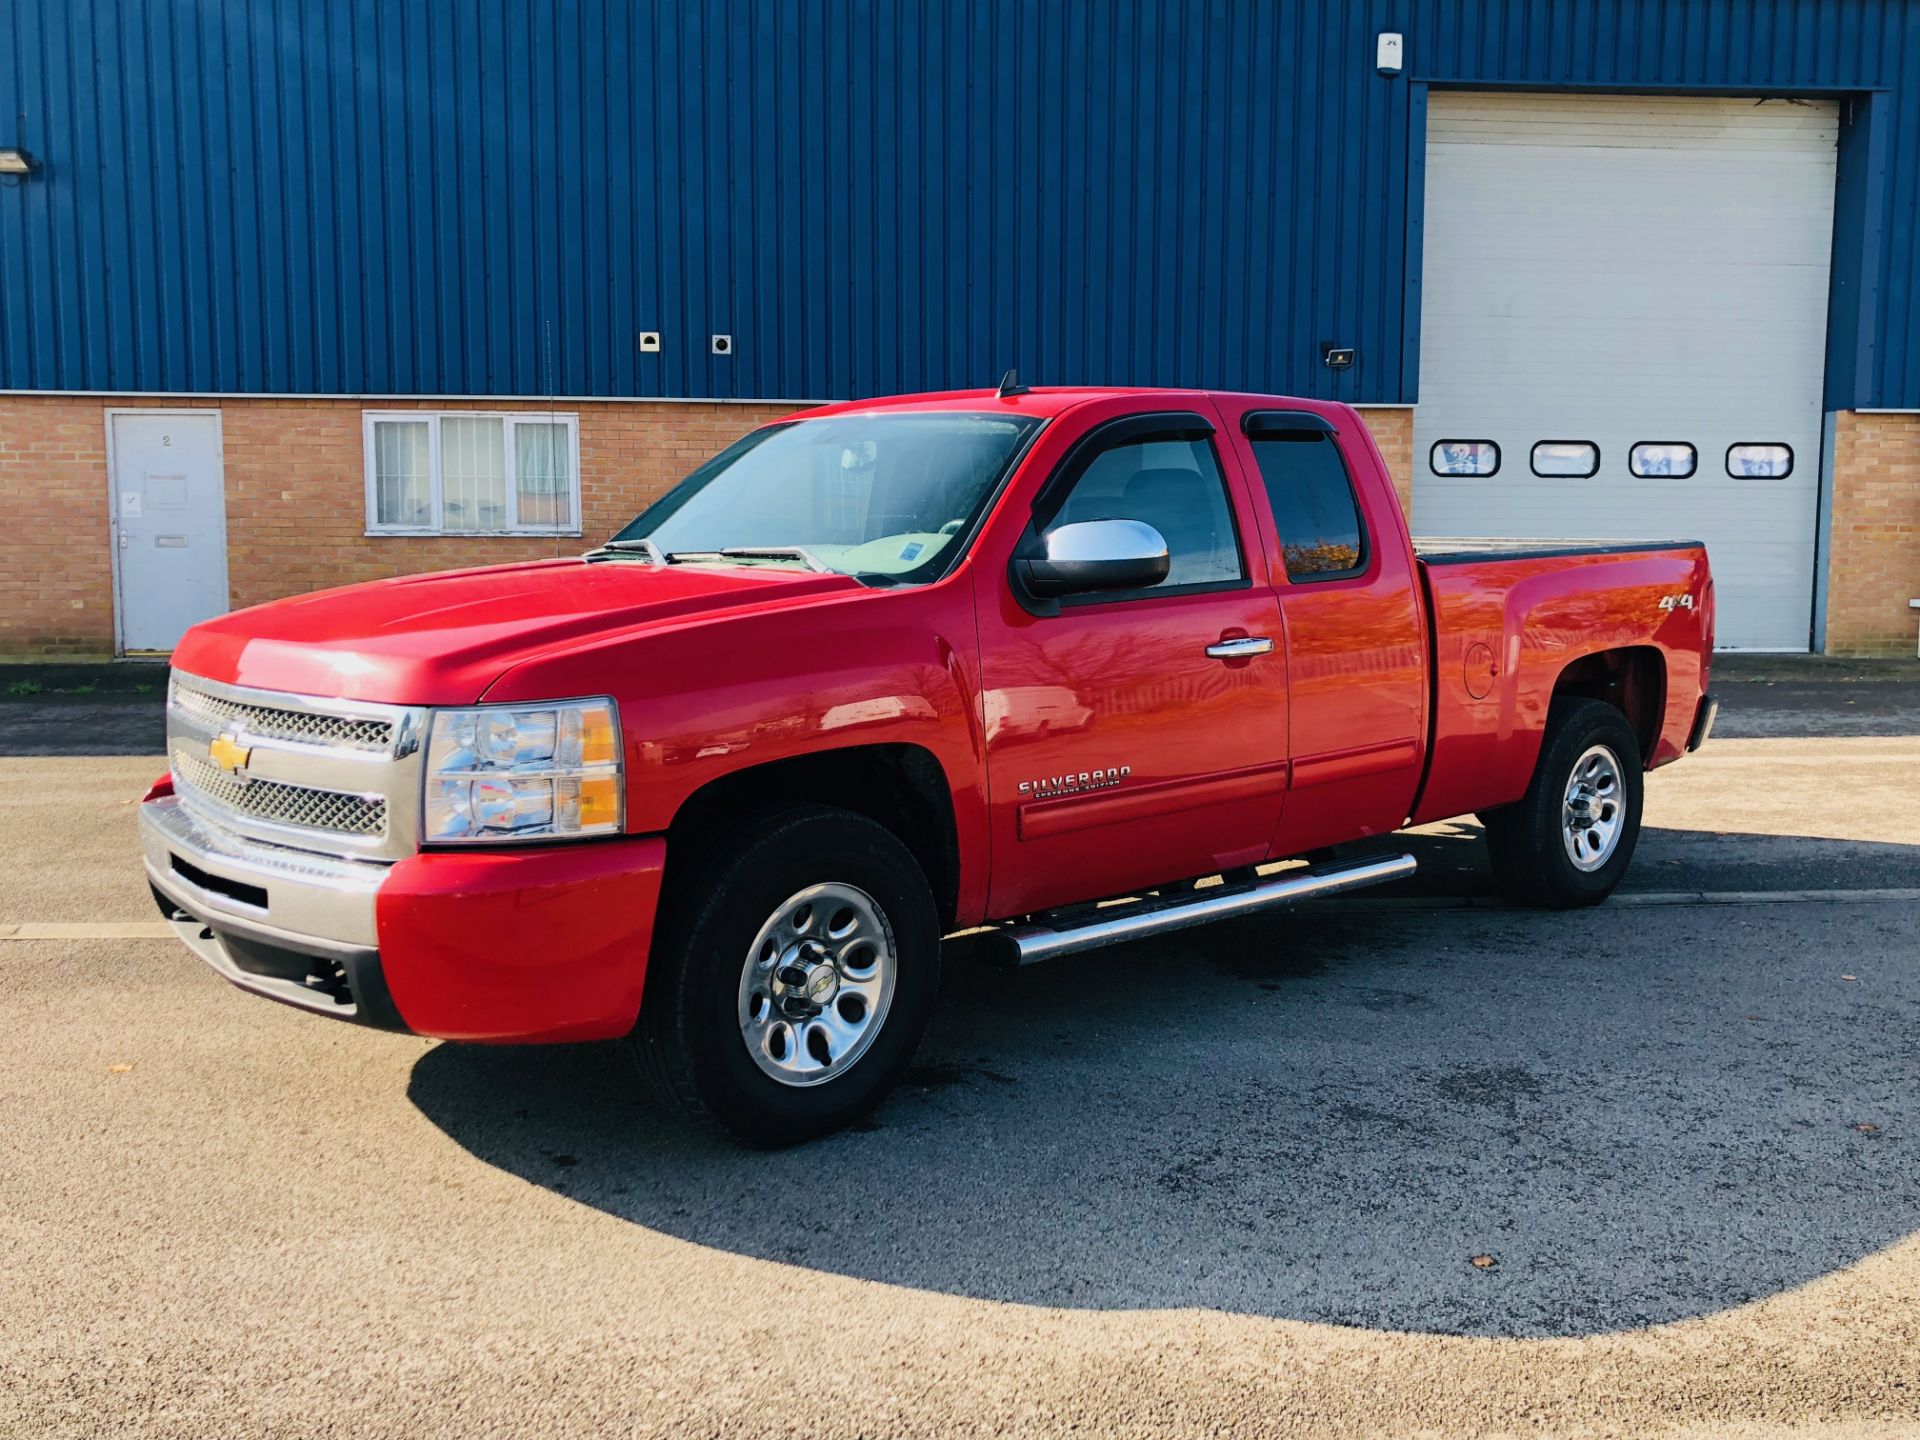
(524,771)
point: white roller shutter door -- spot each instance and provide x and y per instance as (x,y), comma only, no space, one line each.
(1627,269)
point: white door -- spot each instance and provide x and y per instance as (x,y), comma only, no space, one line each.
(1619,270)
(169,523)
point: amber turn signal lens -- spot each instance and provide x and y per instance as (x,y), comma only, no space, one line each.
(599,802)
(599,745)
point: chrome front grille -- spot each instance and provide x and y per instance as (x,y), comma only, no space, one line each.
(339,777)
(302,727)
(272,803)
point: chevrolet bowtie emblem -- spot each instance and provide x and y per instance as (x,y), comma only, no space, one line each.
(228,753)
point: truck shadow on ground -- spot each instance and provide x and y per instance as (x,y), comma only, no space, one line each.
(1632,1115)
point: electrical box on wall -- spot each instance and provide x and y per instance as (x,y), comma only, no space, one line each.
(1387,54)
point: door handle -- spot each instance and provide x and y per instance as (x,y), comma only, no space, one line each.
(1241,648)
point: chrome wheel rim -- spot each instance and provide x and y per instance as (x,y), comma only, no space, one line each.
(1594,812)
(817,983)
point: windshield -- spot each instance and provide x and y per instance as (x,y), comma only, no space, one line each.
(890,498)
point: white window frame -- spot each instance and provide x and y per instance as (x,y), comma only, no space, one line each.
(571,422)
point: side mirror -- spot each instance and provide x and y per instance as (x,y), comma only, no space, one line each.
(1095,555)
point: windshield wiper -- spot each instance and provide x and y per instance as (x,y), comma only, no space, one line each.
(756,552)
(647,549)
(642,547)
(651,551)
(781,552)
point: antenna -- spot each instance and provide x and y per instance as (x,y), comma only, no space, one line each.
(1010,385)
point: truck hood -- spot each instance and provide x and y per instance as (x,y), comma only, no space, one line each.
(442,639)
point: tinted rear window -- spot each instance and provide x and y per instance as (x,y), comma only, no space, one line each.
(1313,506)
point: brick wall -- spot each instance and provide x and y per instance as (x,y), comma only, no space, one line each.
(296,512)
(296,507)
(1875,557)
(56,573)
(1393,432)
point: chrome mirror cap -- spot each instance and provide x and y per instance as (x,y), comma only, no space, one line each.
(1095,555)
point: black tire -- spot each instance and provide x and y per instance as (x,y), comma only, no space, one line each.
(689,1041)
(1527,840)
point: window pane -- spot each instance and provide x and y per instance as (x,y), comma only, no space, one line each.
(1662,458)
(473,472)
(1313,504)
(1464,457)
(1174,486)
(1566,459)
(402,489)
(542,474)
(1759,462)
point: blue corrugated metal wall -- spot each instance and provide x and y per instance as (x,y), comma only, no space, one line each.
(404,197)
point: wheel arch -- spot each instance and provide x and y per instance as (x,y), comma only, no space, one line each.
(1631,678)
(901,786)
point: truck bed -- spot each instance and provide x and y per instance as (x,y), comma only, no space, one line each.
(1461,550)
(1511,616)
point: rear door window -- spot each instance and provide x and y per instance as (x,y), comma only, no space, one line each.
(1314,509)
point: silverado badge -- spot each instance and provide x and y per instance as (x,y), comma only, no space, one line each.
(1048,786)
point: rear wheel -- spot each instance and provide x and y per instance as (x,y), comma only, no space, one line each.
(795,975)
(1570,838)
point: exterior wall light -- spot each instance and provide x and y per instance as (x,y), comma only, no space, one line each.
(17,162)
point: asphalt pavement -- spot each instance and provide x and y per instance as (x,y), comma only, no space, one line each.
(1408,1164)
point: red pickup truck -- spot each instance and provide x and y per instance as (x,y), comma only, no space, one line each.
(882,672)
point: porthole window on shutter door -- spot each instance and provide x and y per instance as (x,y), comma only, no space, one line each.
(1663,459)
(1479,458)
(1566,459)
(1759,462)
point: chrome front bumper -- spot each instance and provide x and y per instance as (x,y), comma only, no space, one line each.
(294,927)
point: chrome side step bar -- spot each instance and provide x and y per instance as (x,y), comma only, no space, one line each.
(1030,943)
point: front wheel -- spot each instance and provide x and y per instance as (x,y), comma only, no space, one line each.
(795,976)
(1568,841)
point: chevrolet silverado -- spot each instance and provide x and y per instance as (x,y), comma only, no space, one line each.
(1069,665)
